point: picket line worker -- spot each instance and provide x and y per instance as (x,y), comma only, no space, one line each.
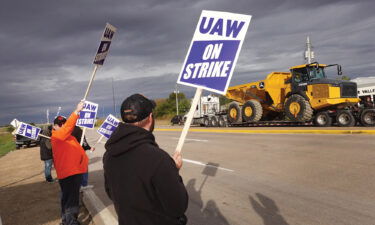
(46,154)
(70,162)
(77,133)
(142,180)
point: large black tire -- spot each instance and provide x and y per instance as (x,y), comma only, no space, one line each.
(298,109)
(234,113)
(252,111)
(323,119)
(345,118)
(368,117)
(222,122)
(213,121)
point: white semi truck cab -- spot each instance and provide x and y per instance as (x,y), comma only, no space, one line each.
(208,112)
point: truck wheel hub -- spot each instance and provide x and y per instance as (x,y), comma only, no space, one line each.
(369,118)
(248,111)
(321,119)
(344,119)
(295,108)
(233,113)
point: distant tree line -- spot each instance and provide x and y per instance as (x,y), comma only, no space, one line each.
(166,108)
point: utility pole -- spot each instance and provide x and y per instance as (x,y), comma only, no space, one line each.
(47,116)
(58,111)
(309,53)
(114,103)
(176,92)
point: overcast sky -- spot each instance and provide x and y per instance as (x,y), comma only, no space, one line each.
(47,47)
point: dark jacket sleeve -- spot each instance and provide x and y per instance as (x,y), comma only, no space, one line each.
(106,187)
(77,133)
(45,146)
(85,144)
(170,188)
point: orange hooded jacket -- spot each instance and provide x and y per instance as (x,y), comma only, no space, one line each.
(68,155)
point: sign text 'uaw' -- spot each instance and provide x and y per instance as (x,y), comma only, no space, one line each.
(214,50)
(87,116)
(108,126)
(105,42)
(27,130)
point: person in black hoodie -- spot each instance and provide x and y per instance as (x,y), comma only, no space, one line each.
(142,180)
(46,154)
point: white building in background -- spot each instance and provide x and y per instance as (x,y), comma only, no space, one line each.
(365,86)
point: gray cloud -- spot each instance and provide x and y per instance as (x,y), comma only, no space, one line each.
(48,46)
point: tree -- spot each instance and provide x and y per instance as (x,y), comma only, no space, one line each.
(167,107)
(345,78)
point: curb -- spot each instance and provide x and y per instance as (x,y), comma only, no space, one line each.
(99,213)
(369,132)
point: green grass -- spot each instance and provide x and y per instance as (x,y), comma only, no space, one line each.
(6,143)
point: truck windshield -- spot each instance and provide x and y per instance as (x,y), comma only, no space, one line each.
(316,73)
(300,75)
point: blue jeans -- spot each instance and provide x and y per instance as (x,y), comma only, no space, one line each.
(85,179)
(47,169)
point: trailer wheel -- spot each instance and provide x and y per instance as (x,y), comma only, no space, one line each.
(345,118)
(298,109)
(222,122)
(213,121)
(234,113)
(252,111)
(206,122)
(322,119)
(368,118)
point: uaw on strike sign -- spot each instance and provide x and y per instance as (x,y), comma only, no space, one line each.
(214,50)
(108,126)
(87,116)
(105,42)
(27,130)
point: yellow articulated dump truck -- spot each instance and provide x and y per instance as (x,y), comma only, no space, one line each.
(304,94)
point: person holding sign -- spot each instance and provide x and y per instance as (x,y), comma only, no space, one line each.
(70,162)
(46,154)
(142,180)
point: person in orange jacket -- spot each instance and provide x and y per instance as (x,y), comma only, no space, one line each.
(70,162)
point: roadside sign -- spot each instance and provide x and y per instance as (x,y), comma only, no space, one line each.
(104,45)
(27,130)
(88,114)
(214,51)
(108,126)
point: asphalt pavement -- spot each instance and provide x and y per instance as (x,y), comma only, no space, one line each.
(278,179)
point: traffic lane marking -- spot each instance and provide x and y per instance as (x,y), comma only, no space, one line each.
(191,139)
(372,132)
(206,165)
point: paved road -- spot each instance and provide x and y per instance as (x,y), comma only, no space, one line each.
(271,179)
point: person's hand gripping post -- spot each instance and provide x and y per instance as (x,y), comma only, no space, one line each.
(177,157)
(79,107)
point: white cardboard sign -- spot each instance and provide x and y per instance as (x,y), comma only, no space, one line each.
(87,116)
(28,130)
(214,50)
(108,126)
(104,45)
